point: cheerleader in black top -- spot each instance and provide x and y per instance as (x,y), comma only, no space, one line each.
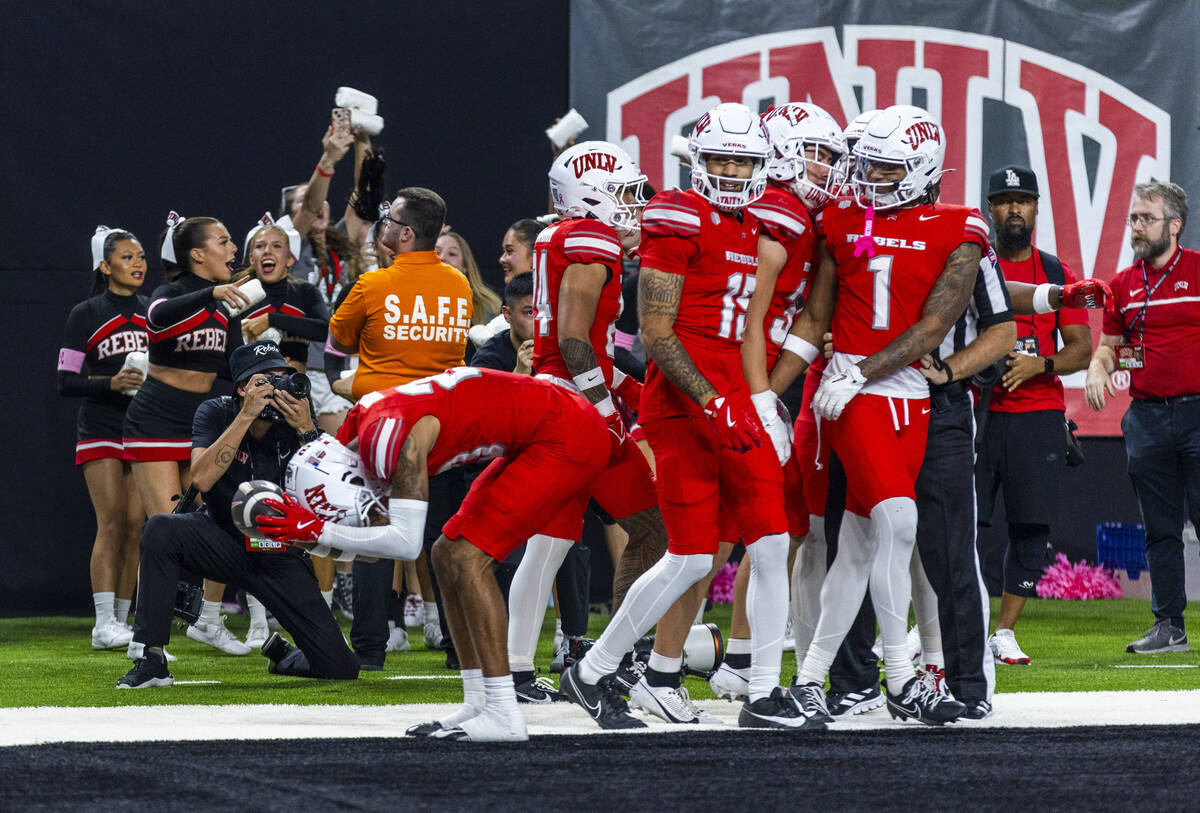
(101,332)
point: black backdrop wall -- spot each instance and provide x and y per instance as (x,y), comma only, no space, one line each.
(116,112)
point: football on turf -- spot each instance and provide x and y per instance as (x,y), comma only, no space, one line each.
(247,505)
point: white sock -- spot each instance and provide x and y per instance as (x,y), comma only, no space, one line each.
(431,613)
(894,530)
(738,646)
(527,597)
(648,598)
(104,608)
(121,609)
(662,663)
(210,612)
(767,611)
(808,574)
(500,694)
(258,613)
(473,698)
(328,596)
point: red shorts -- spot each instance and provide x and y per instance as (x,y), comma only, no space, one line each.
(517,497)
(812,456)
(881,443)
(624,488)
(794,505)
(700,484)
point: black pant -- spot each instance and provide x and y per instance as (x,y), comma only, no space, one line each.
(373,580)
(283,582)
(574,585)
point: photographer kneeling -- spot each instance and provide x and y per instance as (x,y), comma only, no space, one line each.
(233,442)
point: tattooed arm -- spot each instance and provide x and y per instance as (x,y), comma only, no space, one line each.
(658,305)
(578,298)
(947,301)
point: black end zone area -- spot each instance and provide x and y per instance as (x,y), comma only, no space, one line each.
(1128,768)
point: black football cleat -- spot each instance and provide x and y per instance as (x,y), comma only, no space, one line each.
(602,702)
(148,670)
(919,701)
(778,710)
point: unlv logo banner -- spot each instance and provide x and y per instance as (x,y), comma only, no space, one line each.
(1078,123)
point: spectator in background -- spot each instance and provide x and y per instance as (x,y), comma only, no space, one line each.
(511,350)
(101,332)
(1151,331)
(406,321)
(453,250)
(516,249)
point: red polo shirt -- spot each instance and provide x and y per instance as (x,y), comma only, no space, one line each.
(1170,329)
(1045,390)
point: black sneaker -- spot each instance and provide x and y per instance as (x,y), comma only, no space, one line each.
(572,651)
(602,702)
(533,689)
(1162,637)
(370,661)
(976,710)
(423,729)
(847,704)
(148,670)
(810,700)
(274,649)
(778,710)
(918,701)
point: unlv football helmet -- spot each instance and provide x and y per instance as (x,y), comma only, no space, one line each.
(332,482)
(729,129)
(856,128)
(591,179)
(798,131)
(898,136)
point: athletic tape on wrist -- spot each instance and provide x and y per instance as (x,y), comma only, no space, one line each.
(1041,298)
(802,348)
(590,378)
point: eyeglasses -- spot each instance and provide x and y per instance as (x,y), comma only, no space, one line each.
(394,220)
(1143,220)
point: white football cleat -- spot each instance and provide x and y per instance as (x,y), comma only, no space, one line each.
(414,610)
(1005,649)
(111,635)
(668,703)
(397,639)
(433,635)
(731,684)
(492,725)
(217,636)
(257,635)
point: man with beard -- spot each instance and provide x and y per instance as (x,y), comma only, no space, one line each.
(1023,446)
(1151,329)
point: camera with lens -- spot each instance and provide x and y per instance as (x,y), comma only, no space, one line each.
(294,384)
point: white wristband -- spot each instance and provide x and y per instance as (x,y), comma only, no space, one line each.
(618,378)
(804,349)
(605,406)
(1041,298)
(588,379)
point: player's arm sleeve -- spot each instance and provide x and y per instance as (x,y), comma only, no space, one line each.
(72,380)
(1070,316)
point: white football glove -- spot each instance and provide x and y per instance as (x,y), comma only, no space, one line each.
(834,393)
(766,405)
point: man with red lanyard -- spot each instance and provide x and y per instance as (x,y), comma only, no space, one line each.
(1023,444)
(1151,330)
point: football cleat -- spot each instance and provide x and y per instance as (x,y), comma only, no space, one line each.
(216,635)
(976,710)
(669,703)
(464,712)
(935,676)
(602,702)
(492,725)
(535,689)
(1005,649)
(414,610)
(397,639)
(919,702)
(777,711)
(810,700)
(629,673)
(111,635)
(257,635)
(731,684)
(847,704)
(433,635)
(149,670)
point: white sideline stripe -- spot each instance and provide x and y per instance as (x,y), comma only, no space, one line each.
(423,677)
(1154,666)
(37,725)
(194,682)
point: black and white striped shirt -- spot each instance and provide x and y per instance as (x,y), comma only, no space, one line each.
(990,305)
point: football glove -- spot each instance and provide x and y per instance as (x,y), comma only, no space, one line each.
(766,404)
(834,393)
(1088,293)
(297,524)
(736,426)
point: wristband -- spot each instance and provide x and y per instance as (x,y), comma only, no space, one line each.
(322,172)
(1049,365)
(618,378)
(804,349)
(589,378)
(1041,298)
(605,407)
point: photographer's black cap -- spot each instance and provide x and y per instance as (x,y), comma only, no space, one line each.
(1012,178)
(255,357)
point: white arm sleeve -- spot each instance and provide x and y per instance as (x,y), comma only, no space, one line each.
(402,538)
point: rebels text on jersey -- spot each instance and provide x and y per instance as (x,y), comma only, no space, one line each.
(717,255)
(483,414)
(784,217)
(585,241)
(881,295)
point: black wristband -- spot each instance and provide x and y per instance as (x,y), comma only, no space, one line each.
(1049,365)
(310,436)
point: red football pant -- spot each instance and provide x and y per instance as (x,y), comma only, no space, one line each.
(881,443)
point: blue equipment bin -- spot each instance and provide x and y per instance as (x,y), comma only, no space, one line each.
(1121,546)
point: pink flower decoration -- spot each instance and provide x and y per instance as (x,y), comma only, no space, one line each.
(721,589)
(1077,581)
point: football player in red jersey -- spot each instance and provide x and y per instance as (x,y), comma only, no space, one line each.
(597,188)
(905,268)
(804,174)
(699,253)
(553,443)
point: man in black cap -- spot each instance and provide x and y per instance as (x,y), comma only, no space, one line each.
(233,441)
(1023,440)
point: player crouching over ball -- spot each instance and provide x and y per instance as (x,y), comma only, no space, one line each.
(552,444)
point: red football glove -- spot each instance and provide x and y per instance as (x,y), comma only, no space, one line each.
(297,524)
(735,424)
(1089,293)
(630,392)
(616,430)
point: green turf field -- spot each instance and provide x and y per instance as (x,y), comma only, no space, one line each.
(1075,646)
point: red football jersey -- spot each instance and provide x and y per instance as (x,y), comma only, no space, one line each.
(881,296)
(783,216)
(1045,390)
(572,241)
(717,254)
(483,414)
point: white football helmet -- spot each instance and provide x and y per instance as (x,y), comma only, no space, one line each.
(856,128)
(898,136)
(332,482)
(590,180)
(729,129)
(798,131)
